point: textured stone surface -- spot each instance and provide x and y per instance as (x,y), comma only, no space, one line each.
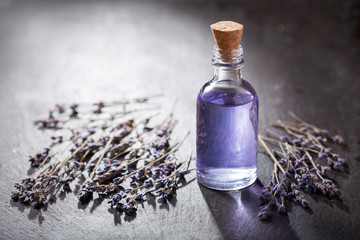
(299,55)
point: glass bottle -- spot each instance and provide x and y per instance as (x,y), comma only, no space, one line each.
(227,125)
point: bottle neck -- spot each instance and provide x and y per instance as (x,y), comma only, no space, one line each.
(227,64)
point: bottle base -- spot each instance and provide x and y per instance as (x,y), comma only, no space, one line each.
(227,179)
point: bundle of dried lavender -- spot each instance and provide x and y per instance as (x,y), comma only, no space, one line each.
(303,159)
(120,157)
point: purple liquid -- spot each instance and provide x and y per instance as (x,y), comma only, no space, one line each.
(226,141)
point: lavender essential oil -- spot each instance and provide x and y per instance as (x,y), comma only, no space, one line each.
(227,125)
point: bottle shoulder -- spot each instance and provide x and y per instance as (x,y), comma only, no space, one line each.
(228,91)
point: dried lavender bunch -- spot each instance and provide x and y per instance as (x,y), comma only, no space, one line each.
(303,158)
(152,164)
(83,146)
(113,155)
(37,159)
(61,114)
(35,190)
(163,180)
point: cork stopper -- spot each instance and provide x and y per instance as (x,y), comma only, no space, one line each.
(227,34)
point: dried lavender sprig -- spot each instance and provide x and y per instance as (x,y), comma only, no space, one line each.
(175,172)
(85,189)
(102,155)
(174,149)
(169,185)
(283,143)
(270,153)
(273,193)
(53,123)
(141,138)
(88,187)
(320,153)
(72,155)
(62,107)
(297,156)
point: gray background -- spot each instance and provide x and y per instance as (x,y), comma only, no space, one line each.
(299,55)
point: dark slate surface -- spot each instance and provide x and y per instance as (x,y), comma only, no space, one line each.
(300,55)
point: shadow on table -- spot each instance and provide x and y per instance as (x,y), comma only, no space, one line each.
(94,203)
(236,215)
(330,201)
(33,213)
(151,201)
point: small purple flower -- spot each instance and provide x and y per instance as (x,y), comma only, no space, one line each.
(275,153)
(285,139)
(305,203)
(148,183)
(337,166)
(139,196)
(264,213)
(297,142)
(91,131)
(118,180)
(281,209)
(325,132)
(335,191)
(179,173)
(304,129)
(98,111)
(164,193)
(74,112)
(133,178)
